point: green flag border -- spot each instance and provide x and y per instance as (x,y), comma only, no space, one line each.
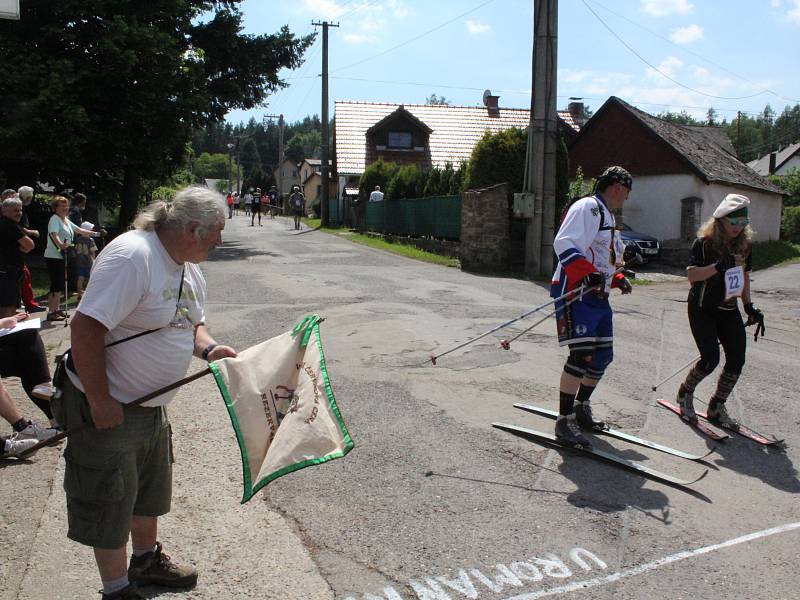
(251,489)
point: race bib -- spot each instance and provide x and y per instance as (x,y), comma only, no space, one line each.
(734,282)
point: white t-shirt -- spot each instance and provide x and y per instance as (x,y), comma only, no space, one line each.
(376,196)
(580,236)
(134,287)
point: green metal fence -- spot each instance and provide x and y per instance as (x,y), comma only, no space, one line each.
(436,216)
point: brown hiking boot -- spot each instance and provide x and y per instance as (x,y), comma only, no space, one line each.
(156,568)
(129,592)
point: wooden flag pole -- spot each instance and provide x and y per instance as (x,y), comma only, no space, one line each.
(167,388)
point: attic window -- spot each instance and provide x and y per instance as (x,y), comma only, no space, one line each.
(400,139)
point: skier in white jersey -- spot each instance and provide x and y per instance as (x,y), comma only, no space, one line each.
(589,251)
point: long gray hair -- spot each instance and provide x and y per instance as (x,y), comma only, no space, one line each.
(191,205)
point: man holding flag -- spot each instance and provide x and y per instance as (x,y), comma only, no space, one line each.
(140,321)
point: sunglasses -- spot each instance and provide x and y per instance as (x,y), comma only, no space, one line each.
(739,222)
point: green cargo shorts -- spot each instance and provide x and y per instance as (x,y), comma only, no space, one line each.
(112,474)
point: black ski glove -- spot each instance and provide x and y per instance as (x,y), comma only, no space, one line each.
(755,317)
(593,280)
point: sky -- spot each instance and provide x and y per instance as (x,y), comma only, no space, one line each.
(659,55)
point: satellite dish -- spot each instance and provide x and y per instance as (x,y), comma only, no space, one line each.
(486,95)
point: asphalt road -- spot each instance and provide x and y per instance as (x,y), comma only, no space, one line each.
(434,503)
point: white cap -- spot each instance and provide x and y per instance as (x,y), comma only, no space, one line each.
(731,203)
(87,225)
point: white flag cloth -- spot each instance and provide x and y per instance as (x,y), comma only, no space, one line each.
(281,405)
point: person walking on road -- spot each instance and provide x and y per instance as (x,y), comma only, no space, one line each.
(147,294)
(297,204)
(719,273)
(255,207)
(589,251)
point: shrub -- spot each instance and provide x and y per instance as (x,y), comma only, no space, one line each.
(498,158)
(377,173)
(405,183)
(790,223)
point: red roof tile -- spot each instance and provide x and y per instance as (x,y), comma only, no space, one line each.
(455,129)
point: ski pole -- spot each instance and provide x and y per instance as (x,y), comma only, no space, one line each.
(87,424)
(433,358)
(506,344)
(656,386)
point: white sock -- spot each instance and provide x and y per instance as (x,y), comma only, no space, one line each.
(109,587)
(6,446)
(137,552)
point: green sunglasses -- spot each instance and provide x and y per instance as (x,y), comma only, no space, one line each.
(739,222)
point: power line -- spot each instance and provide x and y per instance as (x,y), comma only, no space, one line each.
(415,38)
(688,51)
(656,69)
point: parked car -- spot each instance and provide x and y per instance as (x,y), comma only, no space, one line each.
(640,246)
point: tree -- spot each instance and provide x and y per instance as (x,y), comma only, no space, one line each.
(681,118)
(498,158)
(746,137)
(711,117)
(305,144)
(377,173)
(103,94)
(434,100)
(211,166)
(791,184)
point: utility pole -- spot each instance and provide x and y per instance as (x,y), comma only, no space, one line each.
(738,133)
(325,166)
(238,169)
(540,171)
(280,152)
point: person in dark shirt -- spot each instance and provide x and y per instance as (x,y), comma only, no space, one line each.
(719,273)
(14,244)
(25,194)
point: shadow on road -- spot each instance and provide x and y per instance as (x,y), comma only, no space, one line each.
(770,464)
(236,251)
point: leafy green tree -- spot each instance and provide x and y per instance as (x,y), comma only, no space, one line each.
(377,173)
(681,118)
(498,158)
(747,138)
(104,94)
(447,178)
(457,182)
(433,183)
(791,184)
(304,144)
(212,166)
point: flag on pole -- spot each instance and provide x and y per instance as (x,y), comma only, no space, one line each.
(281,405)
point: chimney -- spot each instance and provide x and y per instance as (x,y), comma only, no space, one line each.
(773,159)
(576,110)
(491,103)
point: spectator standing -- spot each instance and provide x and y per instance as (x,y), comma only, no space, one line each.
(376,195)
(61,234)
(85,252)
(145,281)
(297,204)
(76,206)
(14,244)
(25,194)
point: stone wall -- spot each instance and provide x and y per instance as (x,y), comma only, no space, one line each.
(485,229)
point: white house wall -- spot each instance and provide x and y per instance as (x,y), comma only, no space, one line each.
(654,206)
(792,163)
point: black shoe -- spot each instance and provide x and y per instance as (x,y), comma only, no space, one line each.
(567,431)
(583,415)
(35,309)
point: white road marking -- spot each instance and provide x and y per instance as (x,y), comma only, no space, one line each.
(589,583)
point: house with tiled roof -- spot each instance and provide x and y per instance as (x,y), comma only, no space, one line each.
(421,134)
(680,173)
(784,161)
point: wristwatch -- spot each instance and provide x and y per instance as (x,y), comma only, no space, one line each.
(207,350)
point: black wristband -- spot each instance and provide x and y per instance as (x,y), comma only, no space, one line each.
(207,350)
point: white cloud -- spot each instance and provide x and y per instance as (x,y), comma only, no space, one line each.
(329,8)
(398,8)
(593,82)
(669,67)
(662,8)
(687,35)
(477,27)
(793,14)
(355,38)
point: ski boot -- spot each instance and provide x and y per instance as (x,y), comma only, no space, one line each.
(567,431)
(583,415)
(718,415)
(686,402)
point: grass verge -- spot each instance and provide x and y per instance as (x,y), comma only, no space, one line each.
(773,253)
